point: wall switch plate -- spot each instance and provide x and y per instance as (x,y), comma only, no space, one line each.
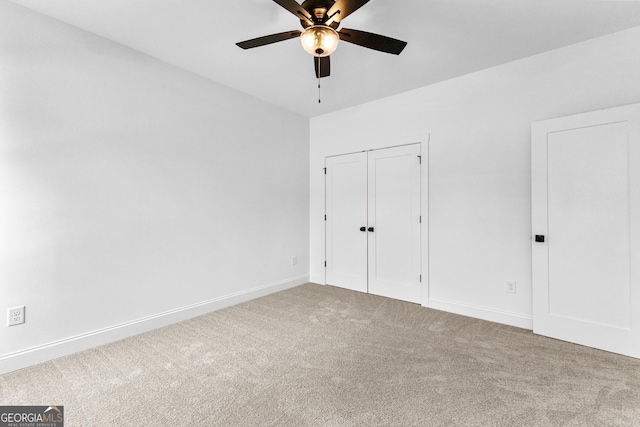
(294,260)
(511,286)
(15,316)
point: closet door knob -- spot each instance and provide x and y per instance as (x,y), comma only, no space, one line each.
(363,229)
(370,229)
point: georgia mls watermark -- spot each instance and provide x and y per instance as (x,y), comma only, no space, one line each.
(31,416)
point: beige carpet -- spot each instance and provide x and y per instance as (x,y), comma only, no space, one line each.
(322,356)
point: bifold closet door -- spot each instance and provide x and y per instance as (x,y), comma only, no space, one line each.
(373,222)
(346,221)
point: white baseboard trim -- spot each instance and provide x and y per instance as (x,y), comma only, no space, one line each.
(484,313)
(53,350)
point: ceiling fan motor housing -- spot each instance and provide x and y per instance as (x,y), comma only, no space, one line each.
(318,11)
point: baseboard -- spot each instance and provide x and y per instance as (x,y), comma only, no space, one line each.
(53,350)
(484,313)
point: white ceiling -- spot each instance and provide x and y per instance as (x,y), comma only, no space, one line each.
(446,39)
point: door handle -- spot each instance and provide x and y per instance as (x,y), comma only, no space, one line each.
(370,229)
(363,229)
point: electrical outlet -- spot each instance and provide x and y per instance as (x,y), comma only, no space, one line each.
(15,316)
(294,260)
(511,286)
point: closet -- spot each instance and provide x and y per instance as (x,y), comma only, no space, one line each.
(373,222)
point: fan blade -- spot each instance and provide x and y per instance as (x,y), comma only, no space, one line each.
(372,41)
(293,7)
(323,66)
(273,38)
(343,8)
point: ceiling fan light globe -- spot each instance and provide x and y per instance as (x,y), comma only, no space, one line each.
(319,40)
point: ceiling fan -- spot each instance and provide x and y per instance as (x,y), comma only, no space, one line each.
(320,20)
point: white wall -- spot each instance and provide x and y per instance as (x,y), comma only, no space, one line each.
(132,193)
(479,164)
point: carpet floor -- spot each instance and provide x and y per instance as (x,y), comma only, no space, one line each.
(324,356)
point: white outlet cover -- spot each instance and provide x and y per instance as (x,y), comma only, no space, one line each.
(15,316)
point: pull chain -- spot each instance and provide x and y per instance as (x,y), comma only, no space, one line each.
(319,74)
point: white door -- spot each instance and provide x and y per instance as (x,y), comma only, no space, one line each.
(373,222)
(394,223)
(346,209)
(586,208)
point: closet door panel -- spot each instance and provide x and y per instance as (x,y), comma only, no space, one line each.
(346,208)
(394,222)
